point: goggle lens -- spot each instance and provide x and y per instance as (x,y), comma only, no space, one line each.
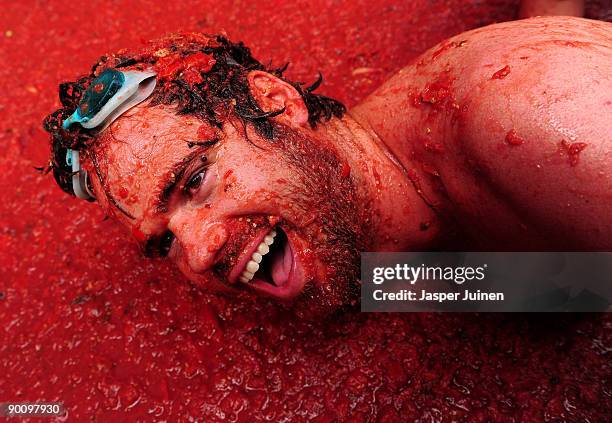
(101,89)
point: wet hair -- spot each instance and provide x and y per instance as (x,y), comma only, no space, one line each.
(202,75)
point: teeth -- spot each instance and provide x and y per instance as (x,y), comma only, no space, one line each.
(253,265)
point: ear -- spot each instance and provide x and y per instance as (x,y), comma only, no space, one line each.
(272,94)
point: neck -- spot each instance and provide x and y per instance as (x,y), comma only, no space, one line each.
(398,218)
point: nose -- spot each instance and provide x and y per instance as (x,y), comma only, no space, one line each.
(199,237)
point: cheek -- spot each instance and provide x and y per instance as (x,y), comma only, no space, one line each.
(262,190)
(261,174)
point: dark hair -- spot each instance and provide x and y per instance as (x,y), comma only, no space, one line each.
(209,87)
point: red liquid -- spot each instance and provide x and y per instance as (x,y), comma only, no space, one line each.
(87,321)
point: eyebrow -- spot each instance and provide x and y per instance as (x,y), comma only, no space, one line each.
(176,173)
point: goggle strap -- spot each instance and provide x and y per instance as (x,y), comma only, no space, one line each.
(138,94)
(79,176)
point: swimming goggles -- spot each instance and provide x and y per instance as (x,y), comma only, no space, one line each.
(108,96)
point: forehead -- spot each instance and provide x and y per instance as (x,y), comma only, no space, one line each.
(137,152)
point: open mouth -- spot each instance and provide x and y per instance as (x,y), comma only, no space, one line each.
(271,266)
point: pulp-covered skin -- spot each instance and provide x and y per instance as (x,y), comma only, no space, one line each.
(296,182)
(506,128)
(333,191)
(89,322)
(478,143)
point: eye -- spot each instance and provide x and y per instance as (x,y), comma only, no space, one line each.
(195,181)
(165,243)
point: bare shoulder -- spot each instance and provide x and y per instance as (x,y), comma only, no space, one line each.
(571,54)
(515,121)
(535,121)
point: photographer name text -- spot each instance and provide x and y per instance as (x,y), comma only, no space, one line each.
(441,297)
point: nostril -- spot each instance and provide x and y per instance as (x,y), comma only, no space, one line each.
(165,244)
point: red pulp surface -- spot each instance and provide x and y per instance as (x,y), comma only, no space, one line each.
(87,321)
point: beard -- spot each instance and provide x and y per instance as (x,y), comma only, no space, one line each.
(325,226)
(336,230)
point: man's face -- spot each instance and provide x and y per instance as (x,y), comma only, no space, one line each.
(212,201)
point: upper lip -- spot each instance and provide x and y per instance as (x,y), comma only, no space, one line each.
(245,256)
